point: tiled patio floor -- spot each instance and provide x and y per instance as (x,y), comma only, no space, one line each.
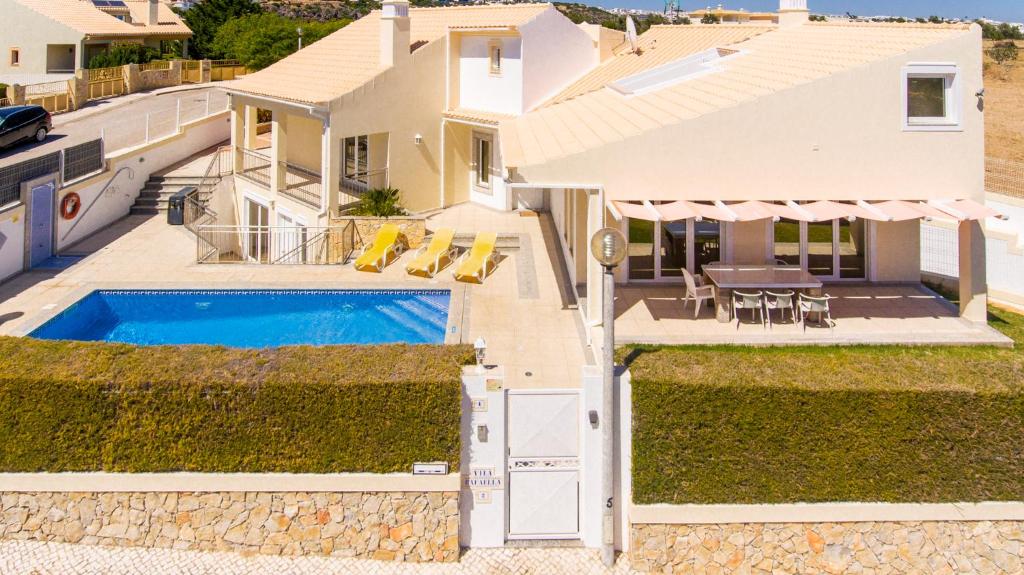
(537,334)
(863,314)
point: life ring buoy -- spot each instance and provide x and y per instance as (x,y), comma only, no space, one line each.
(70,205)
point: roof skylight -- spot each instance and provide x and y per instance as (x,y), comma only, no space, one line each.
(687,68)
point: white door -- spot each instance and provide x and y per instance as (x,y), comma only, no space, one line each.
(291,235)
(543,454)
(257,237)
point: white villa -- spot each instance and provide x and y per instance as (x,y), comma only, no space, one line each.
(818,145)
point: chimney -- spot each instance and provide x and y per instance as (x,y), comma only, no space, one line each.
(394,32)
(153,18)
(793,13)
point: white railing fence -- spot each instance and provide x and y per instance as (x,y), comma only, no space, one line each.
(139,130)
(279,245)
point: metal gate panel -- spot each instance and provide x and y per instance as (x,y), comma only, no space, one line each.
(543,440)
(543,425)
(544,504)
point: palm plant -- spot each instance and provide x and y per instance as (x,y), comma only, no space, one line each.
(380,203)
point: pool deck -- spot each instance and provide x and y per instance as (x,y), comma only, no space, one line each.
(522,310)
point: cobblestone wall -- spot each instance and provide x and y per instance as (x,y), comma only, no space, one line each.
(389,526)
(927,547)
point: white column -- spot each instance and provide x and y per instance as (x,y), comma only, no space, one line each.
(973,286)
(279,152)
(251,122)
(482,512)
(595,290)
(330,171)
(237,134)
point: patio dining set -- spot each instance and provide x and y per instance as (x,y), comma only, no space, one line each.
(761,289)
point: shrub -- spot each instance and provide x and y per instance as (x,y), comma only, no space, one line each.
(1004,52)
(121,54)
(896,424)
(76,406)
(379,203)
(710,18)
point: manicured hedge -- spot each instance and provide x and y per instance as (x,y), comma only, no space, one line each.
(896,424)
(73,406)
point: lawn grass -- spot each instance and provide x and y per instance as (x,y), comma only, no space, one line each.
(810,424)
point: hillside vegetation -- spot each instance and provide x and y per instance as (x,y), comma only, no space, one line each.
(1004,106)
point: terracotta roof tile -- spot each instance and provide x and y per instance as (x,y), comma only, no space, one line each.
(84,17)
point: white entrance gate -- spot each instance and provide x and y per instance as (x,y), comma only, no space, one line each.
(543,434)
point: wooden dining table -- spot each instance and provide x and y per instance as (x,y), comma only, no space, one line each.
(749,278)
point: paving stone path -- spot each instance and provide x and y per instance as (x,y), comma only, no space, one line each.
(37,558)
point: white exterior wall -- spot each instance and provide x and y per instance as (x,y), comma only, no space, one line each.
(12,241)
(481,90)
(556,52)
(143,161)
(30,32)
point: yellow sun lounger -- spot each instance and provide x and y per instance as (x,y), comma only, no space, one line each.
(375,256)
(433,257)
(474,264)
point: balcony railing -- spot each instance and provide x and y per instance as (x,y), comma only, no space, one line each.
(255,167)
(275,244)
(303,185)
(352,187)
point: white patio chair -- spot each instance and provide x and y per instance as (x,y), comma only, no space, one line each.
(780,301)
(819,305)
(746,300)
(698,293)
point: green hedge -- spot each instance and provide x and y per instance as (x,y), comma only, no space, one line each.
(73,406)
(896,424)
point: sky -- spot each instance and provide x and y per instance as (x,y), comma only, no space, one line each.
(1006,10)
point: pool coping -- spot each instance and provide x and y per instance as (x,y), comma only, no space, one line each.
(458,303)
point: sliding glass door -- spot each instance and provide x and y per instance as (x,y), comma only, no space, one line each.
(831,250)
(661,250)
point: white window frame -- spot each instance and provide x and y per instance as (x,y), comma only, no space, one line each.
(950,73)
(355,182)
(487,186)
(494,48)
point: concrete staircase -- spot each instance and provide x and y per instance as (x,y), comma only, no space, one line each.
(153,197)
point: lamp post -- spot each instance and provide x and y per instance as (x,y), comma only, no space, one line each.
(609,248)
(299,31)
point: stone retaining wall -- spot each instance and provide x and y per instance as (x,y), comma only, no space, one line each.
(389,526)
(935,547)
(413,229)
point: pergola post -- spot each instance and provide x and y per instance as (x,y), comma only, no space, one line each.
(251,127)
(973,286)
(330,170)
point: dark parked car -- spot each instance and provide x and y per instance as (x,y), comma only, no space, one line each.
(19,123)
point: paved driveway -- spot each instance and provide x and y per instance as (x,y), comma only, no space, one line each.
(122,118)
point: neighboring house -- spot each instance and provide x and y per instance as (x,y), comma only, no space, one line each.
(735,143)
(40,37)
(728,16)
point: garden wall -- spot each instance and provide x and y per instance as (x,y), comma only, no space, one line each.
(411,526)
(413,228)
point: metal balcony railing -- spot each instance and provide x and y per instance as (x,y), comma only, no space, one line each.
(255,167)
(352,187)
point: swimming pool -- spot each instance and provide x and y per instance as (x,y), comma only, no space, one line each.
(253,318)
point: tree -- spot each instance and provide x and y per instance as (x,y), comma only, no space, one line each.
(259,40)
(121,54)
(710,18)
(1004,52)
(207,16)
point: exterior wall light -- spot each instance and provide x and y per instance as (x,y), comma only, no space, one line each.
(419,139)
(480,348)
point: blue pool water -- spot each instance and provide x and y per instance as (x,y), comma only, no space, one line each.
(253,318)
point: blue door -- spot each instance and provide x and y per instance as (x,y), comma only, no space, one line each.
(41,222)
